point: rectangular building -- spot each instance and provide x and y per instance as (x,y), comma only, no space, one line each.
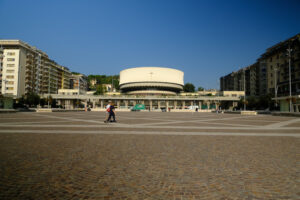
(270,73)
(26,69)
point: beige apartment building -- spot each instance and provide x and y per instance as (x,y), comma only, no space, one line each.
(270,74)
(1,65)
(27,69)
(79,82)
(277,66)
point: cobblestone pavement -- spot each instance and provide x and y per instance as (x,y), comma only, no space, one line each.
(149,156)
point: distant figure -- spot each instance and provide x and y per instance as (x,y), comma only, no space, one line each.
(111,113)
(169,109)
(196,109)
(107,112)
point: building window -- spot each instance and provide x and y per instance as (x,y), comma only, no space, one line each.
(10,59)
(10,71)
(10,77)
(271,59)
(271,67)
(9,88)
(9,82)
(271,75)
(11,53)
(10,65)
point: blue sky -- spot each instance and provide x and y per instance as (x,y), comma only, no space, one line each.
(205,39)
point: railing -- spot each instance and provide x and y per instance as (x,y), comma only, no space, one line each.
(128,97)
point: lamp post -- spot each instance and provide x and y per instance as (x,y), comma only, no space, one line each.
(275,87)
(5,81)
(244,89)
(290,79)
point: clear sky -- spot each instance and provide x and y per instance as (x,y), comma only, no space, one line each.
(205,39)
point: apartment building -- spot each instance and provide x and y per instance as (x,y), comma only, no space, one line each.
(27,69)
(78,81)
(235,81)
(276,59)
(1,64)
(270,72)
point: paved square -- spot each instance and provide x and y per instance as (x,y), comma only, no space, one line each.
(148,155)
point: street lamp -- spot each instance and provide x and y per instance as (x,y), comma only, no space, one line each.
(290,79)
(275,87)
(244,89)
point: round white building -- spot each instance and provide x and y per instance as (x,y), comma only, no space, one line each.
(151,81)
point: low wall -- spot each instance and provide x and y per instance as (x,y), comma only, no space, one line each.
(8,110)
(156,110)
(58,110)
(43,110)
(248,112)
(288,114)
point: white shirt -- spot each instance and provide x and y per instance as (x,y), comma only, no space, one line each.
(107,107)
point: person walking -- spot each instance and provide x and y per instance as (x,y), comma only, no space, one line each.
(111,113)
(107,112)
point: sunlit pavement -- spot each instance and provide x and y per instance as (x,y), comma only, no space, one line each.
(148,155)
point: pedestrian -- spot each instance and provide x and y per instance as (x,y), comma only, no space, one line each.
(107,111)
(111,113)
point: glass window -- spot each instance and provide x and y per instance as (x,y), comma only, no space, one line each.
(10,65)
(9,88)
(10,77)
(10,59)
(9,82)
(10,71)
(10,53)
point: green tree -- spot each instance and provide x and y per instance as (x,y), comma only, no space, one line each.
(103,79)
(32,99)
(100,90)
(200,88)
(43,102)
(189,87)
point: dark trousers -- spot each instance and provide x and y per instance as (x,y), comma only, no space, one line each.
(111,114)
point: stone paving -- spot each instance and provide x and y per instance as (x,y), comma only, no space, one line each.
(149,155)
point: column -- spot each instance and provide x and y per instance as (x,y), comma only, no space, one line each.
(217,105)
(94,103)
(234,104)
(85,105)
(200,105)
(192,103)
(101,102)
(208,105)
(118,104)
(183,104)
(150,104)
(126,104)
(158,104)
(175,104)
(167,105)
(134,102)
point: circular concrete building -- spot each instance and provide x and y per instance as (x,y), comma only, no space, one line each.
(151,81)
